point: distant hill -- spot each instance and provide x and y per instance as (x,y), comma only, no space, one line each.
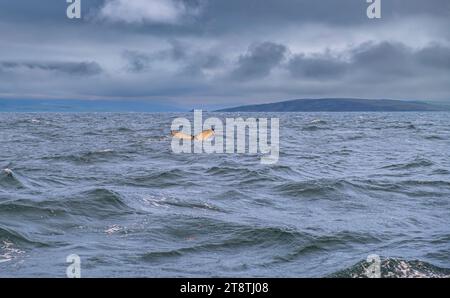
(339,105)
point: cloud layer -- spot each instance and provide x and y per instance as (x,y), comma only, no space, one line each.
(69,68)
(221,53)
(144,11)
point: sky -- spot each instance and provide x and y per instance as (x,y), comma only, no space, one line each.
(221,53)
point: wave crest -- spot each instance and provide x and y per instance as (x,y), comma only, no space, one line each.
(396,268)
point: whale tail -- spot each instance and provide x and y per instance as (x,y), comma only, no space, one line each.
(181,135)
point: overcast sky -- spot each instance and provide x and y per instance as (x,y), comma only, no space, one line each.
(218,53)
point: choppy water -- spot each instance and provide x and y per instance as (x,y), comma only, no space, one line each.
(108,188)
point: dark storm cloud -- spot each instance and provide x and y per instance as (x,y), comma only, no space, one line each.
(259,61)
(393,59)
(190,62)
(177,51)
(318,67)
(71,68)
(373,60)
(136,61)
(201,62)
(384,58)
(435,56)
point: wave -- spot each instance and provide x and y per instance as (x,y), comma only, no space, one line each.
(100,155)
(8,251)
(20,239)
(167,178)
(416,163)
(434,137)
(354,137)
(124,129)
(320,243)
(312,127)
(441,172)
(165,201)
(27,122)
(25,207)
(97,202)
(13,243)
(395,268)
(407,126)
(9,180)
(214,236)
(318,187)
(9,234)
(94,155)
(227,236)
(318,121)
(245,176)
(223,170)
(335,188)
(231,195)
(401,186)
(158,138)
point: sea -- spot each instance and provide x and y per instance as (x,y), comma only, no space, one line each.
(108,188)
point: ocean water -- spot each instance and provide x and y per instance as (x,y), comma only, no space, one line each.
(108,187)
